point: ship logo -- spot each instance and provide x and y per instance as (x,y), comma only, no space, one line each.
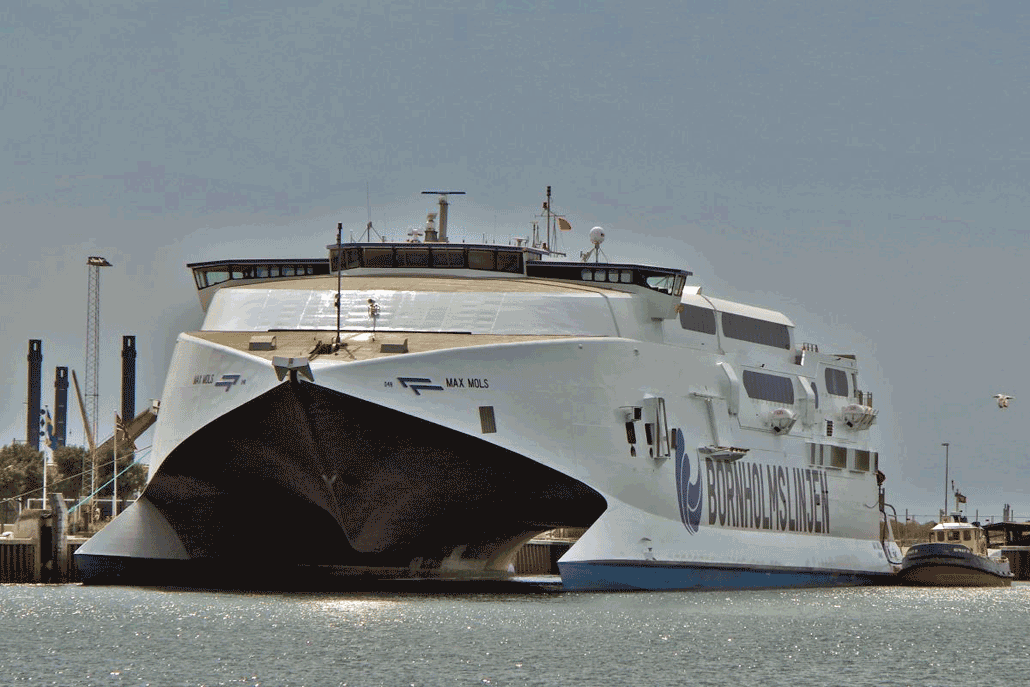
(227,381)
(419,384)
(687,492)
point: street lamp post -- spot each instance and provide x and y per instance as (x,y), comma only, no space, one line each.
(945,445)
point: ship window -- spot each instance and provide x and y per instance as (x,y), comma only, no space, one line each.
(216,277)
(697,319)
(966,535)
(756,331)
(663,283)
(443,257)
(599,275)
(588,275)
(815,454)
(287,270)
(953,535)
(862,460)
(261,271)
(413,257)
(353,258)
(613,276)
(626,277)
(482,259)
(486,419)
(838,457)
(378,257)
(940,536)
(768,387)
(508,261)
(836,382)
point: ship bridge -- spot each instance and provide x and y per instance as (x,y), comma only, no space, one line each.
(434,259)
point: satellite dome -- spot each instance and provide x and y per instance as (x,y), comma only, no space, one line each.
(597,236)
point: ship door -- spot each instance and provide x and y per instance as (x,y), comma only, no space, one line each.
(656,428)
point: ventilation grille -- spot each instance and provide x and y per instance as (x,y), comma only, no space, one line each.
(486,419)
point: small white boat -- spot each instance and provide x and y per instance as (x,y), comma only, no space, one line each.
(954,556)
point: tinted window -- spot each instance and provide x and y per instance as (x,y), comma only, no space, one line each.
(838,457)
(481,259)
(378,257)
(216,277)
(836,382)
(697,319)
(448,258)
(768,387)
(508,261)
(756,331)
(413,257)
(862,460)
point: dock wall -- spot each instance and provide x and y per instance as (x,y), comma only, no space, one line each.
(37,549)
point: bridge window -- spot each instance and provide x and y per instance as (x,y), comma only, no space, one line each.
(481,259)
(697,319)
(862,460)
(416,257)
(768,387)
(836,382)
(378,257)
(756,331)
(444,257)
(213,277)
(508,261)
(838,457)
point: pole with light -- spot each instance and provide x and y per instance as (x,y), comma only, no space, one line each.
(339,273)
(945,445)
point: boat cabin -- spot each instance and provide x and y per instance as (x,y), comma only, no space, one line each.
(963,533)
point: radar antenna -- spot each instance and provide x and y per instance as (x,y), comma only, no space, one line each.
(442,238)
(596,238)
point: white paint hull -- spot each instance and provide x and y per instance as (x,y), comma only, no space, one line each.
(771,533)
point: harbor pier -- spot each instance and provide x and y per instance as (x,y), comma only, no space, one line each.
(36,548)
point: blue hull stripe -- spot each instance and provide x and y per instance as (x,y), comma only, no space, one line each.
(626,575)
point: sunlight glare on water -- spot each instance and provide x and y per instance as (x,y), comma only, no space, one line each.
(73,635)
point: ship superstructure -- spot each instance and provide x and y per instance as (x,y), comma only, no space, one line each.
(422,409)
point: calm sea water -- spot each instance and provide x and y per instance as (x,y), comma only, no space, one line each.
(74,635)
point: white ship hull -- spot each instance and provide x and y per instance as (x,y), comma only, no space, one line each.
(523,404)
(223,449)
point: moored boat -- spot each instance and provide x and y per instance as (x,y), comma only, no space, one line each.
(422,409)
(956,555)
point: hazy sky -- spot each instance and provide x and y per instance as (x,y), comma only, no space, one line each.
(862,167)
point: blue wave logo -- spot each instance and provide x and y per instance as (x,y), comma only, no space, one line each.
(689,493)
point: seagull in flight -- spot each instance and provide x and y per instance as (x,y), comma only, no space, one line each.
(1003,400)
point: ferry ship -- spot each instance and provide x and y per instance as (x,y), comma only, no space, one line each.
(422,409)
